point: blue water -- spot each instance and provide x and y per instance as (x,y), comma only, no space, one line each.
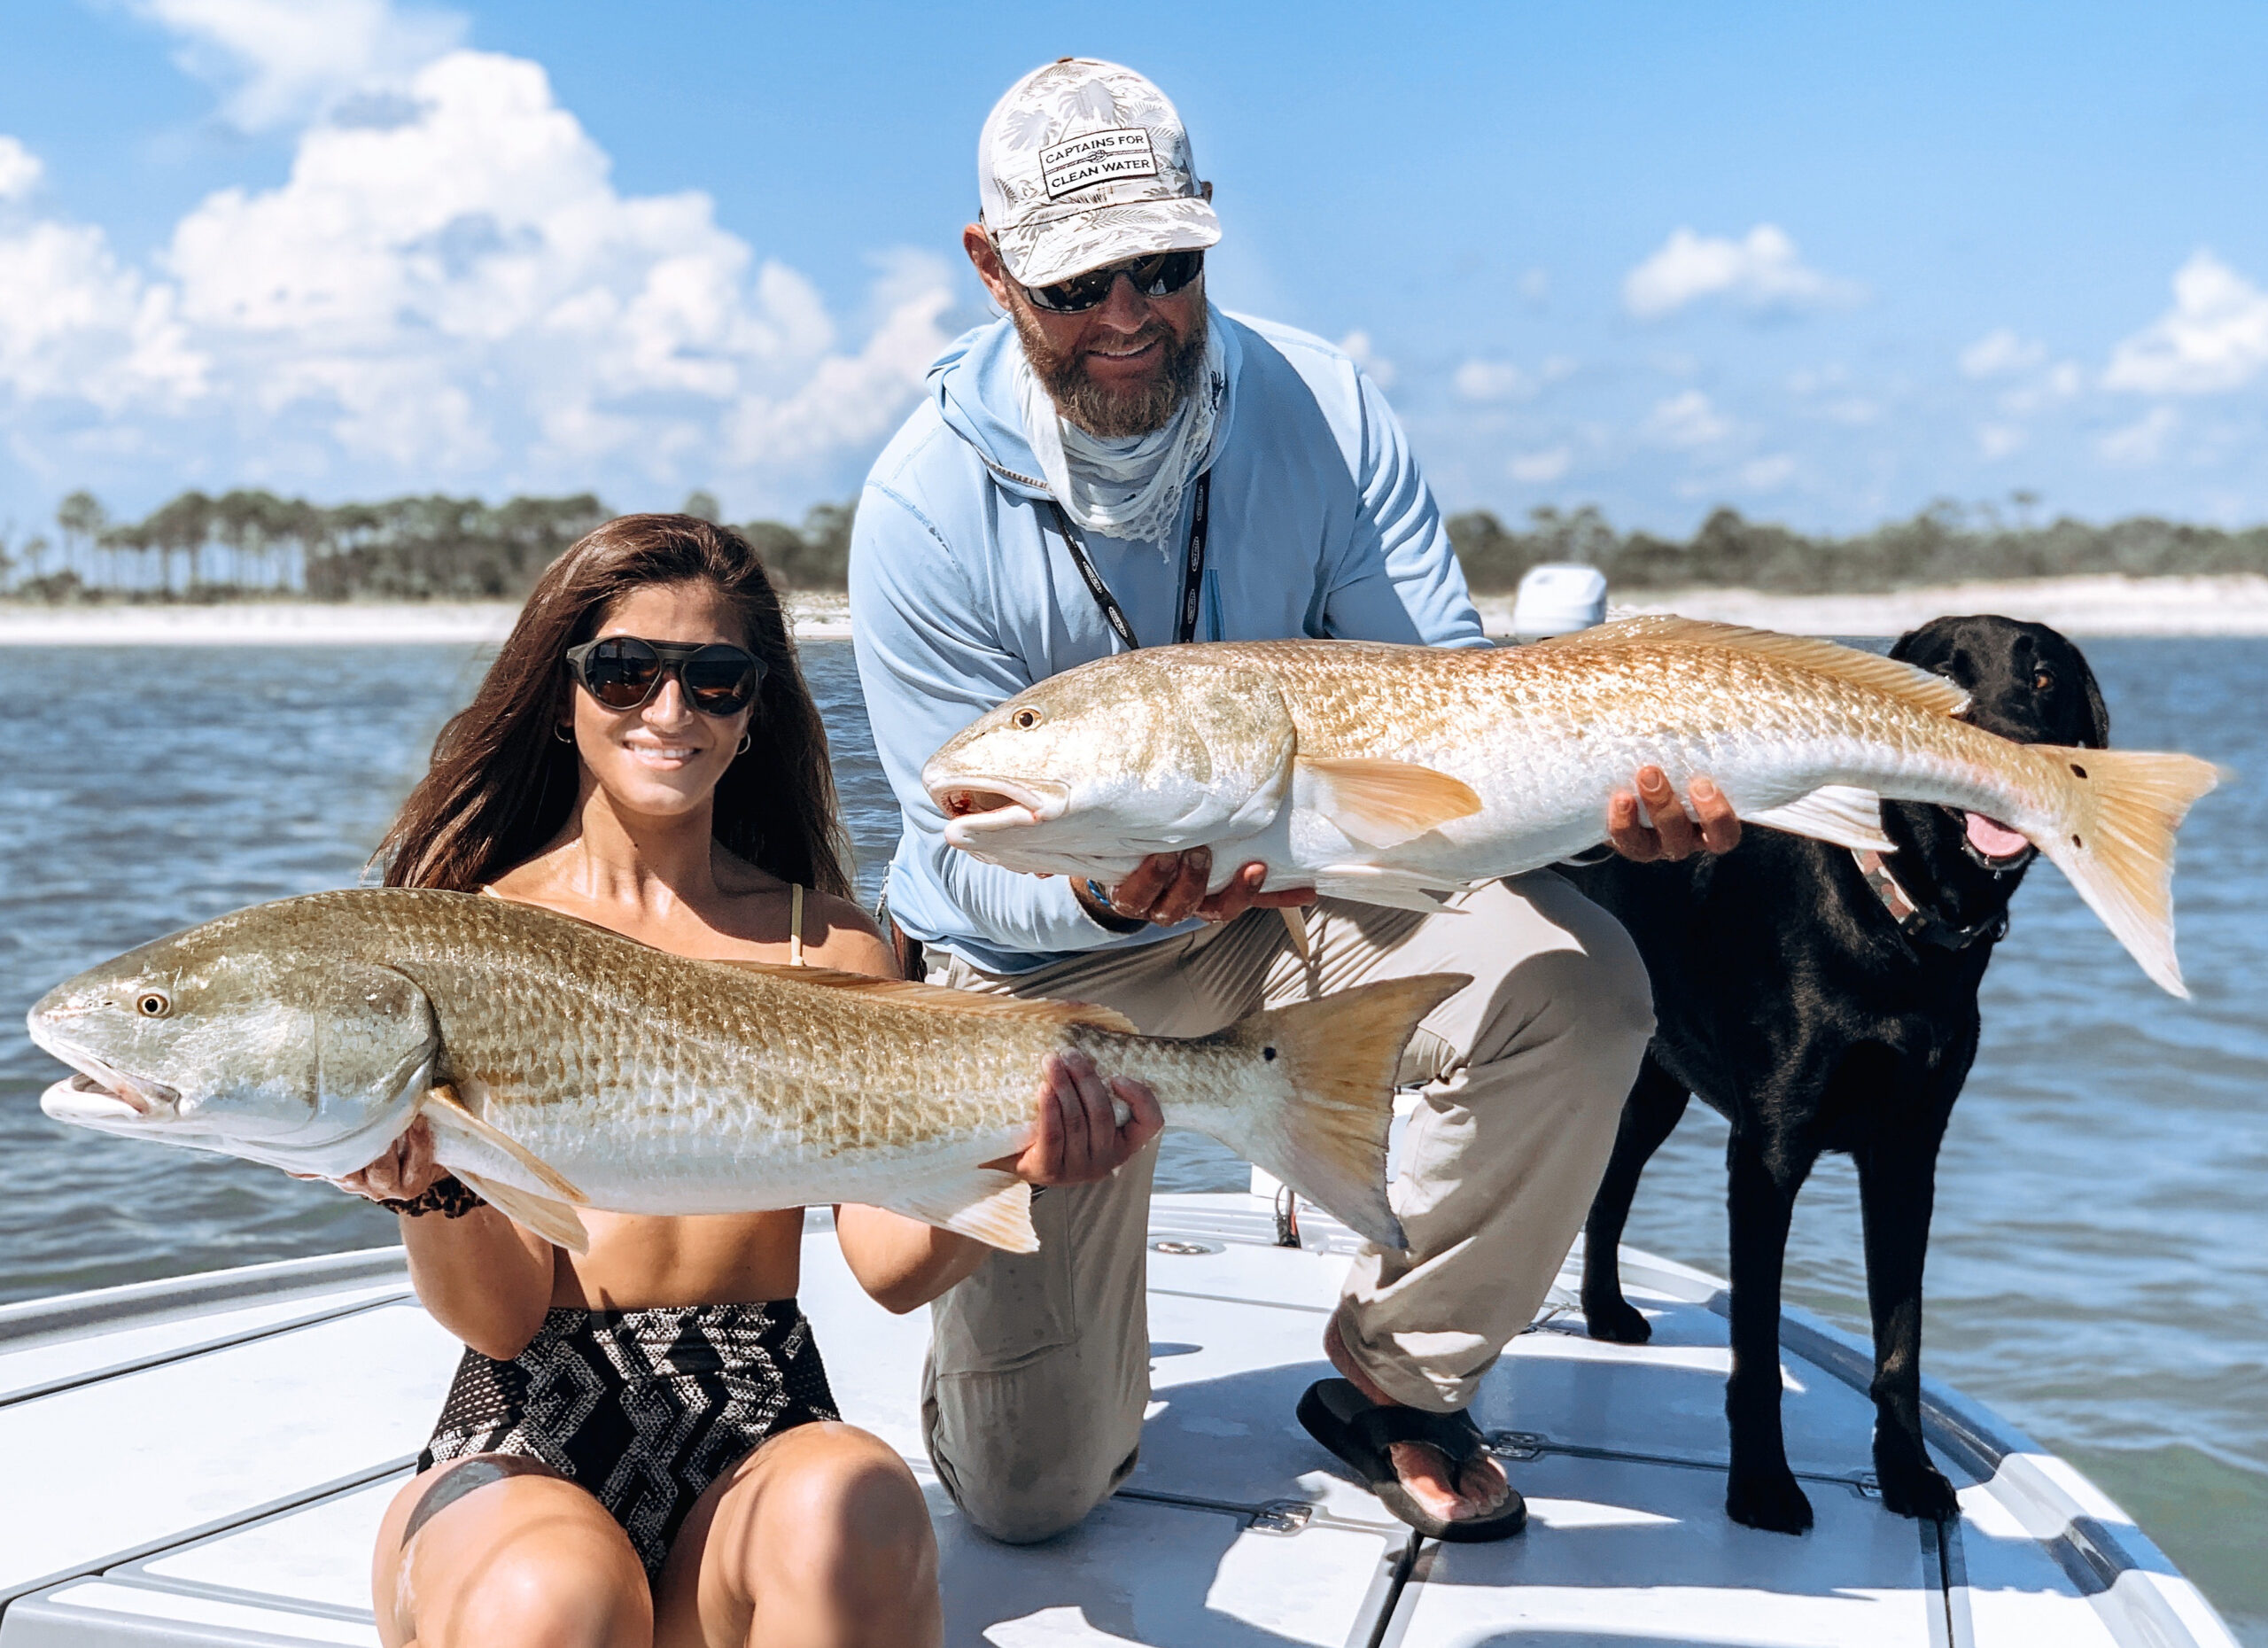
(2099,1271)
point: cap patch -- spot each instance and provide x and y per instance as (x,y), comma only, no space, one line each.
(1094,157)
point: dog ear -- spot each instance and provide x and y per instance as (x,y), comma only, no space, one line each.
(2098,733)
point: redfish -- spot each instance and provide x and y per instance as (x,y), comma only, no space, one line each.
(1396,775)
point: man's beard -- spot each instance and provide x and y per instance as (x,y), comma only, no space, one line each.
(1116,413)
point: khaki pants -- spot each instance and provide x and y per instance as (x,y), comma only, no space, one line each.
(1038,1368)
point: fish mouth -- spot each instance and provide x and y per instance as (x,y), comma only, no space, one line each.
(99,1090)
(1993,843)
(96,1093)
(976,806)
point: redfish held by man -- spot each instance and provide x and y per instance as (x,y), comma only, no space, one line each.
(1396,775)
(561,1065)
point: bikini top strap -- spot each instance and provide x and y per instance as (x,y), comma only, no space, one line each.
(794,923)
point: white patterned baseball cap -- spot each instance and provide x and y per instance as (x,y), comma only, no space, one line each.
(1084,163)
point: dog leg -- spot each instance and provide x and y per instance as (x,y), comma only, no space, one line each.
(1763,1492)
(1897,1186)
(1650,1113)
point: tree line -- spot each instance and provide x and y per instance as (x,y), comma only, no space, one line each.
(1946,543)
(249,544)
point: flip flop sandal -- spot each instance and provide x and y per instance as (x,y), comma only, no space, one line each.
(1359,1432)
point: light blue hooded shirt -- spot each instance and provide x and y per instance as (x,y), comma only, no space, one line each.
(962,594)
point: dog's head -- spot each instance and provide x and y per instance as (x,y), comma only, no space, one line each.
(2026,682)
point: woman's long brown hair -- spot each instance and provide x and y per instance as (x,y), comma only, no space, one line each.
(502,783)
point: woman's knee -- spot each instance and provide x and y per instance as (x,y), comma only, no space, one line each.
(549,1593)
(526,1561)
(844,1514)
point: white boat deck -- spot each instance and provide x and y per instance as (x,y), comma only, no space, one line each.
(204,1462)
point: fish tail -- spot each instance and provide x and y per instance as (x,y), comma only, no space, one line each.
(1340,1056)
(2116,843)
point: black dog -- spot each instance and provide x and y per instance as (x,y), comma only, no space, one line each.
(1822,1005)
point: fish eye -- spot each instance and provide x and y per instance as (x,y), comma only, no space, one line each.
(1024,719)
(153,1004)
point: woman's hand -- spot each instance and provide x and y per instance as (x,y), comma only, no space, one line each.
(1076,1137)
(406,1170)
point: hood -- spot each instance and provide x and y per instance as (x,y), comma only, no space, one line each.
(975,385)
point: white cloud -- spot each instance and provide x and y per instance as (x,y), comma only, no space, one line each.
(459,289)
(1536,285)
(285,61)
(1997,440)
(1768,474)
(2060,383)
(1686,419)
(2214,337)
(2142,442)
(74,323)
(19,169)
(1761,271)
(2001,351)
(1491,380)
(1547,464)
(1357,346)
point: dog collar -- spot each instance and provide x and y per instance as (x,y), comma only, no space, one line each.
(1918,925)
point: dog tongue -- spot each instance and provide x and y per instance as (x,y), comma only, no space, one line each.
(1994,841)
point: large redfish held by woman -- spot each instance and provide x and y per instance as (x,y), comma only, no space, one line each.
(559,1064)
(1396,774)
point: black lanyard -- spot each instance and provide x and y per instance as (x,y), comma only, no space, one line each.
(1192,585)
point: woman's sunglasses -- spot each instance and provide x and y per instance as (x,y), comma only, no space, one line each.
(1155,277)
(623,672)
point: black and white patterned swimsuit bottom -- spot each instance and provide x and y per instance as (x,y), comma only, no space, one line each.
(644,1408)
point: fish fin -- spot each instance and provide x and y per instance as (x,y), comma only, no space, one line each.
(993,1207)
(444,1113)
(1842,813)
(1383,803)
(2116,842)
(1295,922)
(1922,689)
(1396,890)
(554,1221)
(904,993)
(1340,1056)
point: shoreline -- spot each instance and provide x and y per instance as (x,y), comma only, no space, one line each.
(2236,605)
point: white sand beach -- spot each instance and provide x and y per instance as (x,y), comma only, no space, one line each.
(2236,605)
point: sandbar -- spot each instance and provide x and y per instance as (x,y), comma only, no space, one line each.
(2229,605)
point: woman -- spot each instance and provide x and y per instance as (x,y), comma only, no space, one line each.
(639,1445)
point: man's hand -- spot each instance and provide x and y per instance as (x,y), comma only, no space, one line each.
(1169,887)
(1673,836)
(1076,1137)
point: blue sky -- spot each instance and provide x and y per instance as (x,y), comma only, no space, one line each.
(1823,263)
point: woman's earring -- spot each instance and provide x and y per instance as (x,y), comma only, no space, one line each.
(746,740)
(565,734)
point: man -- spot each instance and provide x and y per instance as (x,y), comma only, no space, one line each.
(1117,464)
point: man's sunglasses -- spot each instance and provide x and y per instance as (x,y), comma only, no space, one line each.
(623,672)
(1155,277)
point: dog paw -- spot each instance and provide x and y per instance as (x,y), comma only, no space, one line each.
(1918,1490)
(1772,1503)
(1616,1321)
